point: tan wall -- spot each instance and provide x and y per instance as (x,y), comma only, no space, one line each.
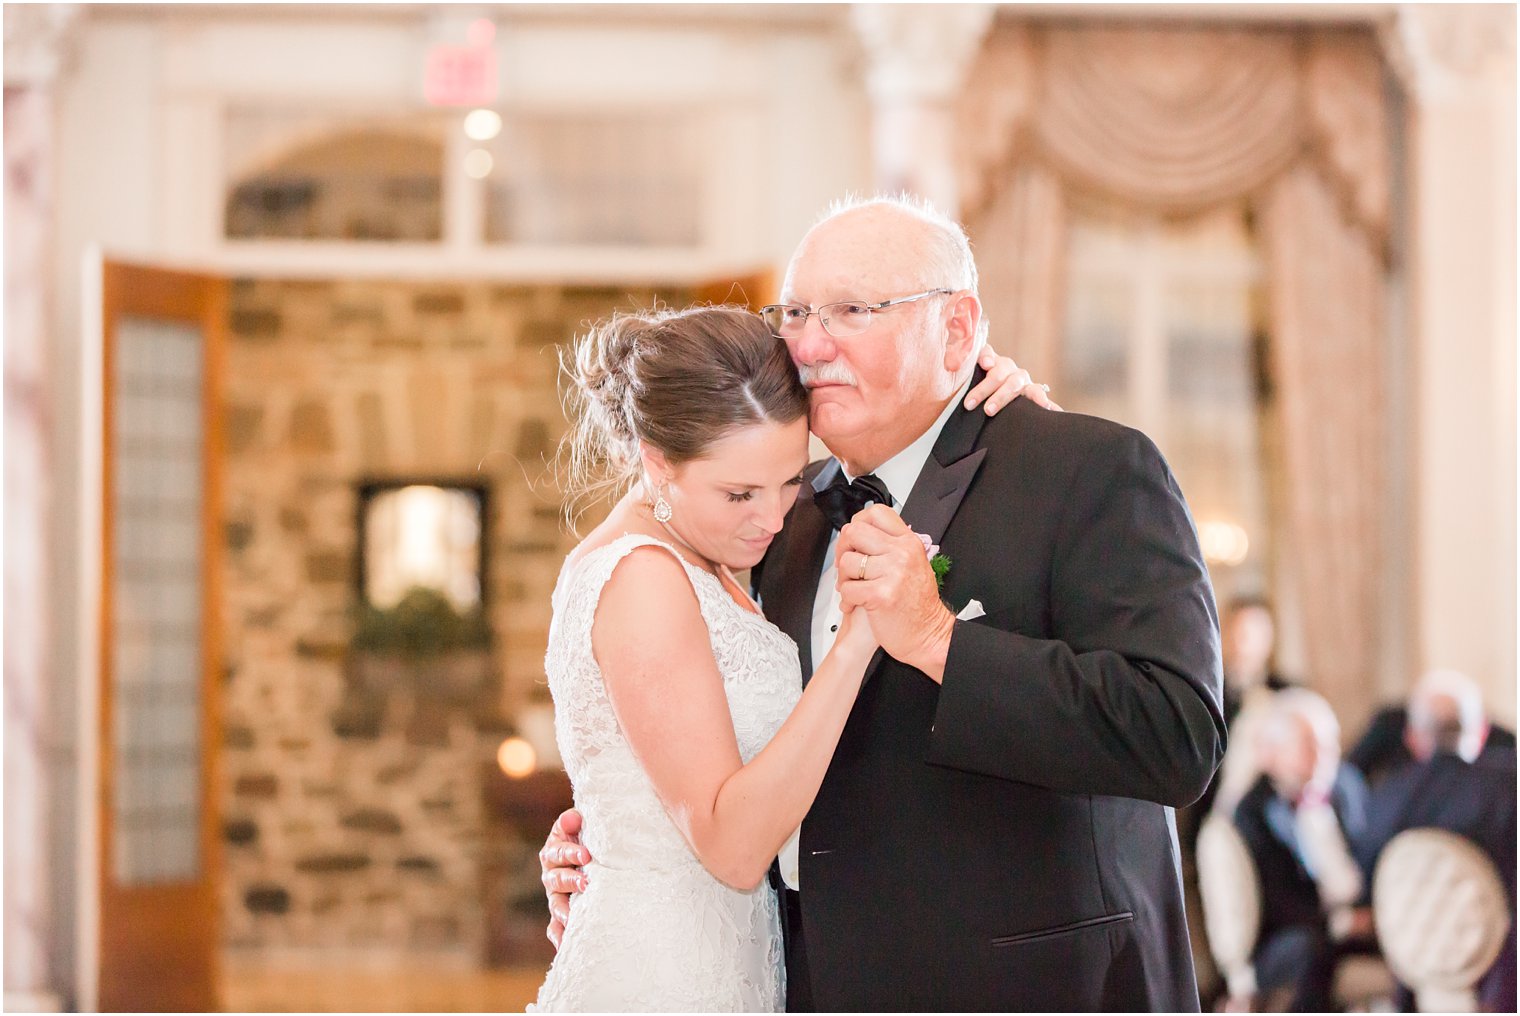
(1462,379)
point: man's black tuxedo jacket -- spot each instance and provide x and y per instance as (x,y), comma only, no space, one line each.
(1004,841)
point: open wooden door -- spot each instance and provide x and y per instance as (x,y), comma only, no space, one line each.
(156,722)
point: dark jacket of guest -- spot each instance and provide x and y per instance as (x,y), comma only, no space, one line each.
(1289,894)
(1382,751)
(1475,800)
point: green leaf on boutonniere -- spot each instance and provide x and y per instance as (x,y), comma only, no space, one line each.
(941,566)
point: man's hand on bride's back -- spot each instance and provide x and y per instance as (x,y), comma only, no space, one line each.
(560,862)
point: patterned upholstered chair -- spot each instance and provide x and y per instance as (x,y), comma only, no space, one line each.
(1230,891)
(1442,916)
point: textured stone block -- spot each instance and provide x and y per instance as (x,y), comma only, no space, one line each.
(321,864)
(328,566)
(396,773)
(373,820)
(267,899)
(435,932)
(240,832)
(259,785)
(243,422)
(238,535)
(451,302)
(358,719)
(237,737)
(533,442)
(255,324)
(418,865)
(311,428)
(544,334)
(293,520)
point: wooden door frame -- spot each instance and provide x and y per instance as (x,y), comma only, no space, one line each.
(116,289)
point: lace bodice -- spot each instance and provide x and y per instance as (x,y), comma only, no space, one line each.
(650,901)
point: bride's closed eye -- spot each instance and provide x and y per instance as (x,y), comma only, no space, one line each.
(737,496)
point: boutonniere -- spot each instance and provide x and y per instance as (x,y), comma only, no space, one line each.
(938,563)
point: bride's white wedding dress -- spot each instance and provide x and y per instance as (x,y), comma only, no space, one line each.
(654,930)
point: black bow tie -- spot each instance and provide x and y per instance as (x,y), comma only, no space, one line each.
(841,499)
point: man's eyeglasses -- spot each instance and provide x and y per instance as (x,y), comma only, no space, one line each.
(847,317)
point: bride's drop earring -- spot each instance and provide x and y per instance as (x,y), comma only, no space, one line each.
(662,510)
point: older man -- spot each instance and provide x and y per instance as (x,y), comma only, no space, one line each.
(996,829)
(1459,781)
(1301,821)
(1392,741)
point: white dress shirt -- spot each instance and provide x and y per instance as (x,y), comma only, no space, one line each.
(899,473)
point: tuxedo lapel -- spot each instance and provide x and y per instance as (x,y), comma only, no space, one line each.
(943,482)
(807,538)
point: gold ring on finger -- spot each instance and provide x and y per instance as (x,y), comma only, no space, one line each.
(863,559)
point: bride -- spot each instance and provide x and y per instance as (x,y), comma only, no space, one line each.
(692,746)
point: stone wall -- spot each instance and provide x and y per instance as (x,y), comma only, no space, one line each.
(370,836)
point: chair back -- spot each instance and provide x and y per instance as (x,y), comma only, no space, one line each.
(1442,916)
(1230,890)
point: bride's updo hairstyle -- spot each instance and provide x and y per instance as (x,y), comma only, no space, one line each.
(676,379)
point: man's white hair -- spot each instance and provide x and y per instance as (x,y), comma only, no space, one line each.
(1279,727)
(1464,693)
(947,260)
(1290,704)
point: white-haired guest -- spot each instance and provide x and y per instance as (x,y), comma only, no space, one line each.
(1301,820)
(1458,780)
(1391,743)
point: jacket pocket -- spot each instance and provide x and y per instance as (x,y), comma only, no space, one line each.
(1064,929)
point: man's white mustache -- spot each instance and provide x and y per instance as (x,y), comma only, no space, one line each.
(831,373)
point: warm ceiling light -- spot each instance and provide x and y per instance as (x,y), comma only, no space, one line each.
(516,758)
(482,124)
(478,163)
(1223,542)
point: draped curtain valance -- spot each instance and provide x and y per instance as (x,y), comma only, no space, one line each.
(1178,119)
(1172,121)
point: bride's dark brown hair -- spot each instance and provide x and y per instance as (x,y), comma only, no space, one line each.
(677,379)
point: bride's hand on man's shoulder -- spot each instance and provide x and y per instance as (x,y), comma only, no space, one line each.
(1005,381)
(560,863)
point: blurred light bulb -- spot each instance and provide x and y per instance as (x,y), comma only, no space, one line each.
(516,758)
(1223,542)
(478,163)
(482,124)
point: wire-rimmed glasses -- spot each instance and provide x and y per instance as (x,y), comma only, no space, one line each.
(840,319)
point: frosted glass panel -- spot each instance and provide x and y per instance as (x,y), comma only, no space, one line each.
(304,174)
(610,178)
(156,506)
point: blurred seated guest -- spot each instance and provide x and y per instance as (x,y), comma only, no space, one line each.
(1300,820)
(1386,746)
(1249,639)
(1248,634)
(1457,782)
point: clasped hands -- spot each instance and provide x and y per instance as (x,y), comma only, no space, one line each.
(883,568)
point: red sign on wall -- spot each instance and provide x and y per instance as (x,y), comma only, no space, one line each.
(460,76)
